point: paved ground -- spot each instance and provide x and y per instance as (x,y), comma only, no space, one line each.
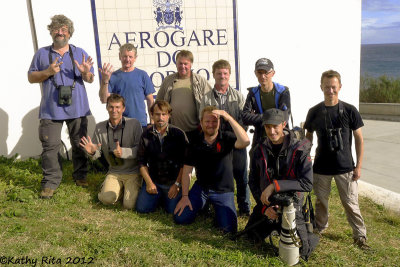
(381,164)
(380,177)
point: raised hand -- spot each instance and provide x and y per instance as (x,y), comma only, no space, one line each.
(86,65)
(54,67)
(106,72)
(86,143)
(221,113)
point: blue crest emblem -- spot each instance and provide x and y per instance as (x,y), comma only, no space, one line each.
(168,14)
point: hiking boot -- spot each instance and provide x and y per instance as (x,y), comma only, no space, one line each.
(319,232)
(46,193)
(82,182)
(361,242)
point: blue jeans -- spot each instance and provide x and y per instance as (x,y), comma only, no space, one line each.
(240,174)
(223,203)
(148,202)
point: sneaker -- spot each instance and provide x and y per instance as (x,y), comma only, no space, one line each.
(46,193)
(361,242)
(82,182)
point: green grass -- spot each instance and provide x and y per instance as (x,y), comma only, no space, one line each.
(379,90)
(74,224)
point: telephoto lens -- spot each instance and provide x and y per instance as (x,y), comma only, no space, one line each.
(289,242)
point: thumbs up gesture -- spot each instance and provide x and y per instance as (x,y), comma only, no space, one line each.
(117,151)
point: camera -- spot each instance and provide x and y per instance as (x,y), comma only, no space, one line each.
(282,199)
(64,95)
(335,139)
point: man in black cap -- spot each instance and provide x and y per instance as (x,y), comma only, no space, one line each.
(279,164)
(264,96)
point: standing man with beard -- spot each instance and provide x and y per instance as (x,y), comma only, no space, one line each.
(62,68)
(130,82)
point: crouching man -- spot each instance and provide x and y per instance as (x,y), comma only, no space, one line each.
(118,139)
(210,154)
(160,155)
(279,164)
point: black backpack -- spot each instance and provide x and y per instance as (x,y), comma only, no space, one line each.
(305,229)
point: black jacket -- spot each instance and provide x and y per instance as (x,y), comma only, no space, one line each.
(290,171)
(164,161)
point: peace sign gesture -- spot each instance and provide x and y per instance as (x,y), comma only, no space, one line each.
(54,67)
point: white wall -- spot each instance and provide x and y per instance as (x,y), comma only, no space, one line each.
(302,38)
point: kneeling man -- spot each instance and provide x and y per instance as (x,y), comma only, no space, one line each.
(211,155)
(161,151)
(117,138)
(279,164)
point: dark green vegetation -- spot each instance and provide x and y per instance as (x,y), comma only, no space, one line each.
(75,225)
(379,90)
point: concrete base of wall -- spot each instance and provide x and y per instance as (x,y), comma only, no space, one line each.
(380,111)
(390,200)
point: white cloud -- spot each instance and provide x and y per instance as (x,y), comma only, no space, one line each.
(380,21)
(381,5)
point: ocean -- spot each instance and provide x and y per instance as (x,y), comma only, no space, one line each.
(380,59)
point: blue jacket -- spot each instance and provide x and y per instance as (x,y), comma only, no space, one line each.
(252,110)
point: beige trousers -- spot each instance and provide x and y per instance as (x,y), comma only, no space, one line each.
(116,186)
(348,192)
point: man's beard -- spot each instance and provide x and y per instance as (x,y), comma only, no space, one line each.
(60,42)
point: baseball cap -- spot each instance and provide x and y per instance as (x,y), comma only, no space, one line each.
(273,116)
(264,64)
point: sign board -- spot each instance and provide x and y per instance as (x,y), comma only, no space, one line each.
(161,28)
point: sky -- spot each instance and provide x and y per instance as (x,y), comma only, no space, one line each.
(380,21)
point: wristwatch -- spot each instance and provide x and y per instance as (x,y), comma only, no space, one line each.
(177,184)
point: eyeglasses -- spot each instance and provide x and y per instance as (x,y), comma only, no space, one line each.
(263,73)
(62,29)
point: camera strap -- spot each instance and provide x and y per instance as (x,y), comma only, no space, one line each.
(120,126)
(73,68)
(341,112)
